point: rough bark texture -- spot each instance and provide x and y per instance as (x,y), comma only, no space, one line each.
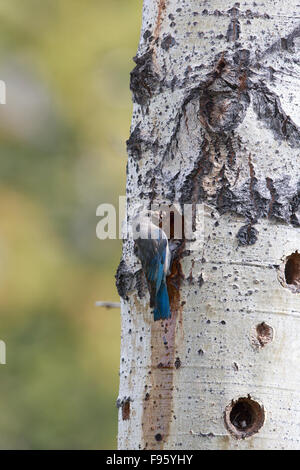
(216,121)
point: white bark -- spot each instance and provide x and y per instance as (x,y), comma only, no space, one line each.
(216,110)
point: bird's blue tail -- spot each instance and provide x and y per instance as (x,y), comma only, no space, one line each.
(162,308)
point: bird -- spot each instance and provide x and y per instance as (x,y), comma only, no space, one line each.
(152,249)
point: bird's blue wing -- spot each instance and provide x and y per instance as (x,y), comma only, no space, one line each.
(152,253)
(155,268)
(162,308)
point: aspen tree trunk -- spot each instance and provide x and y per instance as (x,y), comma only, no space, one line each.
(215,122)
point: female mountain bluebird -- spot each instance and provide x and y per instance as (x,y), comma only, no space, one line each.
(152,249)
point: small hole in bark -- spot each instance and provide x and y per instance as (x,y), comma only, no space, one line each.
(264,334)
(292,271)
(244,417)
(126,409)
(158,437)
(177,363)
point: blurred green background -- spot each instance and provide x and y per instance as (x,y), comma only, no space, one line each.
(66,66)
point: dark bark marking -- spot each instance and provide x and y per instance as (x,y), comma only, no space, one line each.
(137,145)
(285,201)
(268,108)
(287,41)
(124,279)
(247,235)
(222,111)
(134,143)
(242,14)
(126,410)
(234,27)
(253,180)
(224,96)
(144,80)
(128,281)
(125,405)
(177,363)
(272,193)
(168,42)
(200,280)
